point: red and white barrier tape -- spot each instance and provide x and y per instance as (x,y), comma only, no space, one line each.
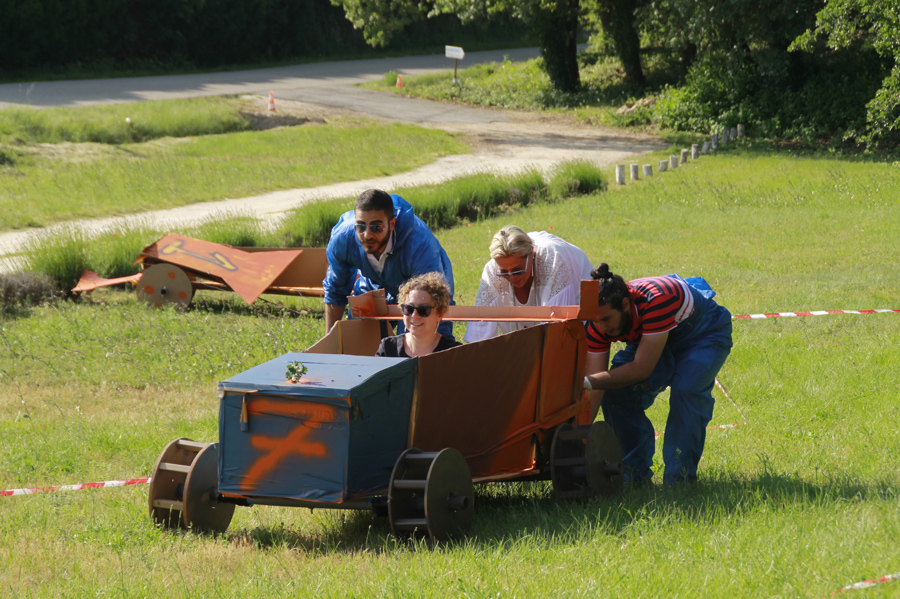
(813,313)
(107,483)
(867,584)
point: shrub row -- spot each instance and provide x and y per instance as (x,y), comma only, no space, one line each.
(62,256)
(20,291)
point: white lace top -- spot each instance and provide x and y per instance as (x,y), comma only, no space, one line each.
(559,268)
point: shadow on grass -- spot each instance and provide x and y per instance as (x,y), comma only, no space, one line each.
(506,513)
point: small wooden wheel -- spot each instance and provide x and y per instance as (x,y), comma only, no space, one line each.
(165,284)
(184,488)
(167,482)
(202,510)
(431,493)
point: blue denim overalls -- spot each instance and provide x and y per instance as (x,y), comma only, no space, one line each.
(691,359)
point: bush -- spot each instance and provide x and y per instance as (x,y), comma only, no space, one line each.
(576,177)
(61,256)
(310,226)
(806,97)
(526,187)
(390,78)
(23,290)
(238,230)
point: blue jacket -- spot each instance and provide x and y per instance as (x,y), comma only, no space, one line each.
(416,251)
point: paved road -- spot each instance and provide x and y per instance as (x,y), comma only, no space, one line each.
(326,83)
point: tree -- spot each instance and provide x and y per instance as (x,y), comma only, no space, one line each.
(555,22)
(619,23)
(860,23)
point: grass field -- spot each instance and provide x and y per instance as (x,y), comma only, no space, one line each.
(801,501)
(63,164)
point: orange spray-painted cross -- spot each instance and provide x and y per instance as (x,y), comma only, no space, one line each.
(279,449)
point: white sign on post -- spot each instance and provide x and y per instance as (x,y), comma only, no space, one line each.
(457,54)
(454,52)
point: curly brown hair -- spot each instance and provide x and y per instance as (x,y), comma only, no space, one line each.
(432,283)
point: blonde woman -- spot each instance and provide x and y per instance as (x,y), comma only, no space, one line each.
(528,269)
(424,300)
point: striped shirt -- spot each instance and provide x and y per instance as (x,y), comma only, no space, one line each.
(658,304)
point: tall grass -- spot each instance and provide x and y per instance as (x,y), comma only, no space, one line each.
(469,198)
(233,229)
(62,256)
(576,178)
(311,225)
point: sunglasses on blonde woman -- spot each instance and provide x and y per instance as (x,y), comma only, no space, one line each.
(515,273)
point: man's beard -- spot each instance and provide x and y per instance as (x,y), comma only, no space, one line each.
(381,246)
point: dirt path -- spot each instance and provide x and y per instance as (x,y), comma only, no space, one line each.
(502,142)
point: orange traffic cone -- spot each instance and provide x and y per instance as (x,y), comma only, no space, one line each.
(399,81)
(271,101)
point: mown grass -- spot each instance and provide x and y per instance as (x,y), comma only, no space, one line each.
(526,86)
(62,164)
(107,124)
(798,503)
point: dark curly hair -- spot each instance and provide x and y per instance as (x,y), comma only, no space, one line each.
(612,287)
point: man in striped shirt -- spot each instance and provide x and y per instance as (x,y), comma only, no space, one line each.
(676,337)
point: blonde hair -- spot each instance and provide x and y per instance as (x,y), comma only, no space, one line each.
(511,241)
(432,283)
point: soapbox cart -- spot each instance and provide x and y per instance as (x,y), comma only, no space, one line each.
(406,438)
(175,266)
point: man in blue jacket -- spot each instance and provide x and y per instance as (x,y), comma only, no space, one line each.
(384,243)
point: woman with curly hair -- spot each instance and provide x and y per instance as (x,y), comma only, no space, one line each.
(424,300)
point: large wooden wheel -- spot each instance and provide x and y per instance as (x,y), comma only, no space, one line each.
(431,494)
(165,285)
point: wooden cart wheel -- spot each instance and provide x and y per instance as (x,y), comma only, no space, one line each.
(202,511)
(184,488)
(586,461)
(431,493)
(605,469)
(167,482)
(165,284)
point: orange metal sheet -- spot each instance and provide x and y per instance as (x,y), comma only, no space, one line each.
(90,280)
(249,274)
